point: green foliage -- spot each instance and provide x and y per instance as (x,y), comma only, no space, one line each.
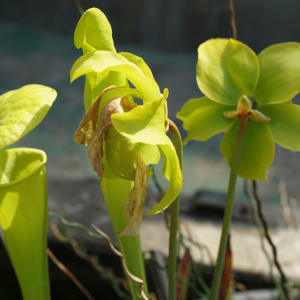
(227,72)
(23,188)
(23,109)
(23,218)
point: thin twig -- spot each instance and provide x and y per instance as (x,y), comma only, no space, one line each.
(199,245)
(139,281)
(79,7)
(233,26)
(243,288)
(78,225)
(70,274)
(285,206)
(268,237)
(261,232)
(94,261)
(296,212)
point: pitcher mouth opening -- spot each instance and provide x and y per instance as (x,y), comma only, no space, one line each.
(29,161)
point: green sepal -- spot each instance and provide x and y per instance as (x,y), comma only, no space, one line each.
(104,61)
(279,79)
(226,70)
(93,32)
(284,124)
(144,123)
(23,109)
(23,218)
(258,149)
(203,118)
(171,170)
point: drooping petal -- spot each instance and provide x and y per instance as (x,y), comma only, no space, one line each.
(284,124)
(226,70)
(171,170)
(102,61)
(135,207)
(139,62)
(23,109)
(93,32)
(257,150)
(145,123)
(279,79)
(203,118)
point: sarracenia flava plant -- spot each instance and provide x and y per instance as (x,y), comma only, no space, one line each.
(249,98)
(123,137)
(23,189)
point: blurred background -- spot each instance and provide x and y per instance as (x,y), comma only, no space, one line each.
(36,46)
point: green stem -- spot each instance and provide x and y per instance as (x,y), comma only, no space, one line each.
(116,194)
(174,219)
(228,209)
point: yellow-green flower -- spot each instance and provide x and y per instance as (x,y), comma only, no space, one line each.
(123,137)
(228,71)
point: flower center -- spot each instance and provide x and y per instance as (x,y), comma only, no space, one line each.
(244,108)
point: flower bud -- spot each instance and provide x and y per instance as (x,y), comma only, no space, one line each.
(244,106)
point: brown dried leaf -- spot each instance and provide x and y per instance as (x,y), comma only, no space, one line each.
(227,275)
(87,129)
(183,273)
(95,152)
(137,196)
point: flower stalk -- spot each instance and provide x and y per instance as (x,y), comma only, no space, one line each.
(174,218)
(117,191)
(229,207)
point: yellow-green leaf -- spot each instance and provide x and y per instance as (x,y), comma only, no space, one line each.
(23,218)
(96,82)
(103,61)
(93,32)
(139,62)
(22,110)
